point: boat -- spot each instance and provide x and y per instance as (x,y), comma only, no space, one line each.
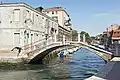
(63,53)
(70,51)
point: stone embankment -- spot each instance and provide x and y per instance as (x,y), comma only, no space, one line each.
(7,56)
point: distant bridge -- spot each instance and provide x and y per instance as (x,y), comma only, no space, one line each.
(35,52)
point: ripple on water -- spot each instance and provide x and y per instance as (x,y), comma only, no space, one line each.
(81,65)
(85,64)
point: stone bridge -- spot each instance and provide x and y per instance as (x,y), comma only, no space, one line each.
(34,53)
(105,55)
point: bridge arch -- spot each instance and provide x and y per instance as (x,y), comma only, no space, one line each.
(37,55)
(38,58)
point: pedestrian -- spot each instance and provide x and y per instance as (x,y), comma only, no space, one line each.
(62,56)
(19,50)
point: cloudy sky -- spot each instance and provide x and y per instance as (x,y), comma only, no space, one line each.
(92,16)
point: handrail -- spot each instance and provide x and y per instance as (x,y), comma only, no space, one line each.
(34,43)
(40,48)
(93,47)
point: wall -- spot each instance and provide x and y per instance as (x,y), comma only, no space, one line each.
(26,23)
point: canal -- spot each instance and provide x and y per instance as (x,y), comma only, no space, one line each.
(78,66)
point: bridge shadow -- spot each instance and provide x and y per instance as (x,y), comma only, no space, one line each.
(39,58)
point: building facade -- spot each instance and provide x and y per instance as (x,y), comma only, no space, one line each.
(113,27)
(61,16)
(116,33)
(20,25)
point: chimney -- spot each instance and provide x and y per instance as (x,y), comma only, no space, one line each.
(39,9)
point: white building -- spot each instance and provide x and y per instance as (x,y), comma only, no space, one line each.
(63,19)
(20,25)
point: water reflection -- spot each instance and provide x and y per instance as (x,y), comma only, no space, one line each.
(85,64)
(82,64)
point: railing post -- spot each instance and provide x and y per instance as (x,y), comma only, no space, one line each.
(78,37)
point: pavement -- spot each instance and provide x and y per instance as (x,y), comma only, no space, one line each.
(111,71)
(8,54)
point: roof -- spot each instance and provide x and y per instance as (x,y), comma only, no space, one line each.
(116,33)
(55,9)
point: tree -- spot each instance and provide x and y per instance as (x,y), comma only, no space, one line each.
(99,36)
(87,36)
(93,37)
(74,35)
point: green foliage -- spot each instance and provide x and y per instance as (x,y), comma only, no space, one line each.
(93,37)
(74,35)
(99,36)
(87,36)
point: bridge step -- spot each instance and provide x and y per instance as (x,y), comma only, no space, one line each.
(116,59)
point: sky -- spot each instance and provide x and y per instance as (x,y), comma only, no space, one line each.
(92,16)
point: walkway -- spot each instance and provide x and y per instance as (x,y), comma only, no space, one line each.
(111,71)
(8,54)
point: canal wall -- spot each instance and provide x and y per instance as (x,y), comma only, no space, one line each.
(109,72)
(106,57)
(11,60)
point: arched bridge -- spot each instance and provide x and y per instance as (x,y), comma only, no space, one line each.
(34,53)
(100,52)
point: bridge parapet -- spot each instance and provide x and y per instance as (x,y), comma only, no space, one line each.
(102,53)
(37,48)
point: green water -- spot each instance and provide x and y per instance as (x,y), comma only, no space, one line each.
(80,65)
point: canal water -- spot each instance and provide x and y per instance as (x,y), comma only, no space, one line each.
(78,66)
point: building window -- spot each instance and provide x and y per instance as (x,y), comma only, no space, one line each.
(55,18)
(52,12)
(16,14)
(16,38)
(52,24)
(56,12)
(28,14)
(47,12)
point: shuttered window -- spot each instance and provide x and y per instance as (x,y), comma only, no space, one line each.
(16,38)
(16,14)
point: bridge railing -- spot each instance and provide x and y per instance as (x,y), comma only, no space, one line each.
(93,47)
(43,48)
(37,46)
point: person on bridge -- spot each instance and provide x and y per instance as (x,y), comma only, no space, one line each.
(19,50)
